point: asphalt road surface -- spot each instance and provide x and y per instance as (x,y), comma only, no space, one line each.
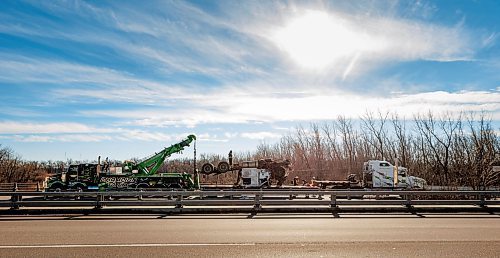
(267,235)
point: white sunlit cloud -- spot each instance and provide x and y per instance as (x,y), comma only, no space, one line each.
(16,127)
(260,135)
(246,108)
(340,43)
(317,39)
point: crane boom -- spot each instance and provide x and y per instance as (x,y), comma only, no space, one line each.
(150,165)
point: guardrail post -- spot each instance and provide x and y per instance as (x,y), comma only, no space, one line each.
(140,195)
(482,203)
(78,197)
(257,205)
(408,201)
(333,205)
(37,186)
(178,202)
(99,200)
(15,187)
(333,201)
(15,198)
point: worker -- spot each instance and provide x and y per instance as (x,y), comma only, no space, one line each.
(313,180)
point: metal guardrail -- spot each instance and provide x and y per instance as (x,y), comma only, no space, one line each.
(256,200)
(14,187)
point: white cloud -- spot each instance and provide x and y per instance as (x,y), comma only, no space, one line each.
(241,107)
(11,127)
(206,137)
(121,135)
(260,135)
(335,43)
(146,135)
(60,138)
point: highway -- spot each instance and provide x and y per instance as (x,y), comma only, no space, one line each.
(241,235)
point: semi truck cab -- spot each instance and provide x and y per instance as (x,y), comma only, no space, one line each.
(255,177)
(382,174)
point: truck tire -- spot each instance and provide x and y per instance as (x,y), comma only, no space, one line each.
(56,188)
(223,167)
(207,168)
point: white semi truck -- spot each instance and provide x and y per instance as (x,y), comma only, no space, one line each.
(255,178)
(382,174)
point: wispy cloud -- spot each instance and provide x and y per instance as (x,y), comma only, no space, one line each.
(245,108)
(61,138)
(184,28)
(260,135)
(15,127)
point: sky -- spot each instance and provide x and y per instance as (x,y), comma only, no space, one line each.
(124,79)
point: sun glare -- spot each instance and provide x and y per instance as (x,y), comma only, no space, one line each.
(317,40)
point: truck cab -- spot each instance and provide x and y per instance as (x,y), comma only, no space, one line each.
(78,177)
(255,177)
(382,174)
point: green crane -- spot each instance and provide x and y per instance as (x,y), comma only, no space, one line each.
(150,165)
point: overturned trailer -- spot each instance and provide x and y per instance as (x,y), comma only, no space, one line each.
(252,174)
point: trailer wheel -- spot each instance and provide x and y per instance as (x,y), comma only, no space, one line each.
(207,168)
(223,166)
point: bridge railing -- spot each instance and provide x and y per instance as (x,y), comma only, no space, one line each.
(254,199)
(26,187)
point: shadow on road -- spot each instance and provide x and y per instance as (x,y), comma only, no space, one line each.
(334,215)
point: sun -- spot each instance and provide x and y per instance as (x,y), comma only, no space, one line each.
(316,40)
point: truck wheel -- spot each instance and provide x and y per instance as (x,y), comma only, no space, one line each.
(56,188)
(207,168)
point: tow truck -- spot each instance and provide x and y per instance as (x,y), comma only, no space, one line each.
(130,175)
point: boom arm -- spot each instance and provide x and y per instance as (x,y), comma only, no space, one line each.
(150,166)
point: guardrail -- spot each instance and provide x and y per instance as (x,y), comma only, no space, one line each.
(14,187)
(245,200)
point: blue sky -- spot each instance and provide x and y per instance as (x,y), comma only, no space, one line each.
(122,79)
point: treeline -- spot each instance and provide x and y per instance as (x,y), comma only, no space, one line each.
(453,150)
(14,169)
